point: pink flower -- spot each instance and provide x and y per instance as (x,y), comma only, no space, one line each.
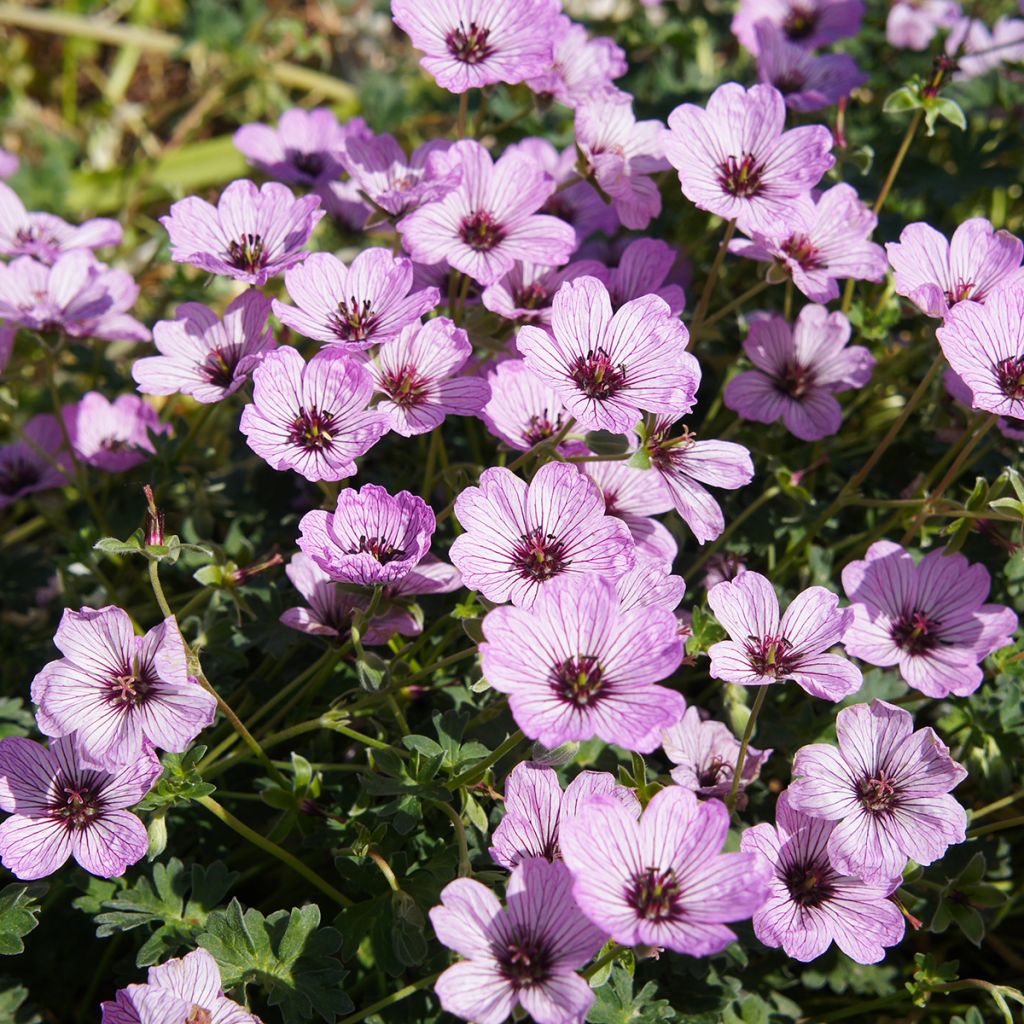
(119,692)
(519,537)
(34,463)
(979,50)
(913,24)
(522,410)
(525,955)
(808,23)
(204,357)
(621,153)
(252,234)
(735,159)
(311,418)
(354,307)
(643,269)
(811,904)
(799,371)
(59,808)
(763,650)
(113,436)
(417,372)
(887,786)
(662,880)
(9,164)
(930,619)
(985,345)
(535,807)
(491,219)
(704,754)
(581,67)
(526,293)
(187,988)
(685,464)
(808,82)
(372,538)
(77,296)
(575,665)
(821,241)
(937,275)
(650,583)
(609,368)
(44,236)
(479,42)
(1010,427)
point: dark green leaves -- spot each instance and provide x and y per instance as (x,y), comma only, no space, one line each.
(18,910)
(616,1003)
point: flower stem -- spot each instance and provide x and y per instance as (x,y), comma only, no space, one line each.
(477,771)
(741,757)
(273,849)
(737,302)
(465,867)
(395,997)
(709,284)
(996,826)
(602,961)
(460,126)
(158,590)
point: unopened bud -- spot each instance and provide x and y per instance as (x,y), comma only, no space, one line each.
(240,576)
(154,519)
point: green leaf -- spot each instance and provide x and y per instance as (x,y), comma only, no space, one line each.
(616,1003)
(603,442)
(288,955)
(903,99)
(941,106)
(18,910)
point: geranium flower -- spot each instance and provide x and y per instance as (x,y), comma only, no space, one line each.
(526,293)
(650,583)
(913,24)
(34,463)
(643,269)
(581,67)
(808,23)
(9,164)
(113,436)
(522,410)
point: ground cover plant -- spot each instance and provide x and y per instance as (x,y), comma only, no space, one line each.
(511,512)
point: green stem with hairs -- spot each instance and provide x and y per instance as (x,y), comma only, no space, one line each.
(709,284)
(395,997)
(741,757)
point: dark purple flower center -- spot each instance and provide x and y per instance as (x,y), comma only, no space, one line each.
(1010,374)
(406,387)
(915,632)
(17,473)
(960,291)
(470,44)
(524,961)
(597,376)
(381,548)
(480,231)
(741,176)
(714,772)
(198,1015)
(354,320)
(530,296)
(218,368)
(313,430)
(810,883)
(540,428)
(790,81)
(795,380)
(539,556)
(131,687)
(803,251)
(560,207)
(579,680)
(75,801)
(771,655)
(310,164)
(664,452)
(117,445)
(877,793)
(801,22)
(654,894)
(248,253)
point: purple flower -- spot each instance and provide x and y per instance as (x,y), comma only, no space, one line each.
(535,807)
(491,219)
(621,153)
(811,904)
(307,146)
(9,164)
(985,346)
(77,296)
(311,417)
(395,182)
(808,23)
(1010,427)
(44,236)
(581,67)
(650,583)
(34,463)
(979,50)
(887,786)
(931,619)
(119,692)
(479,42)
(575,665)
(609,367)
(186,989)
(763,650)
(704,754)
(643,269)
(526,293)
(577,203)
(60,808)
(525,955)
(354,307)
(937,275)
(686,464)
(417,372)
(821,240)
(252,234)
(799,371)
(113,436)
(735,159)
(519,537)
(913,24)
(722,567)
(808,82)
(204,357)
(663,880)
(371,538)
(522,410)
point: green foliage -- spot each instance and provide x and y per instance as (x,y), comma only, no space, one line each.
(617,1004)
(18,914)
